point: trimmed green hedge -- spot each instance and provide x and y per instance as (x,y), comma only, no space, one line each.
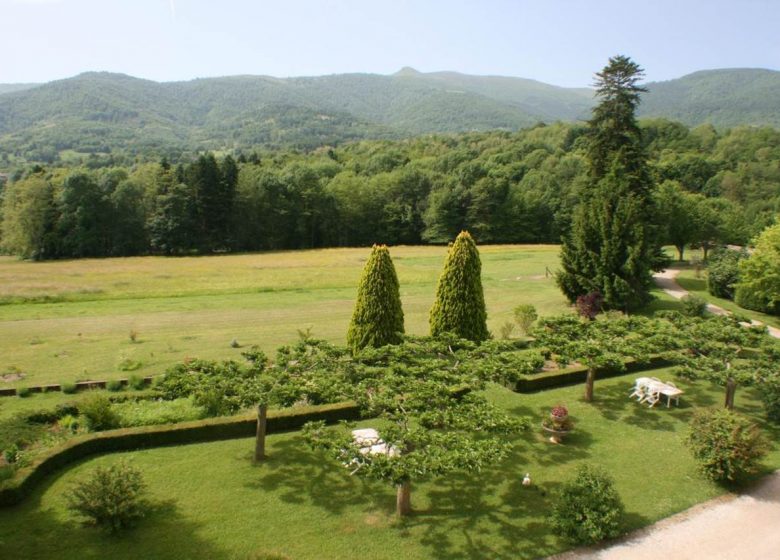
(575,375)
(211,429)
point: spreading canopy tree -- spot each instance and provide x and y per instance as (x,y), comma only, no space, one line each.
(378,318)
(459,307)
(613,243)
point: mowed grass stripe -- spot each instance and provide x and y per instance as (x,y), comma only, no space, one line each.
(261,299)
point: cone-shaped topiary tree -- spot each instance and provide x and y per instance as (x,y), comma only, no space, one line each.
(460,304)
(378,318)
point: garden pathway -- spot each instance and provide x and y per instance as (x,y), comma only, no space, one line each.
(666,280)
(731,527)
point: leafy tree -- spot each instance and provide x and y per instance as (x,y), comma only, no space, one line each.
(85,218)
(678,211)
(723,272)
(430,417)
(29,216)
(459,307)
(173,225)
(588,509)
(759,284)
(725,444)
(612,246)
(378,318)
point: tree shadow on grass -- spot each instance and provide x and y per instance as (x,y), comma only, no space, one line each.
(33,531)
(615,404)
(300,475)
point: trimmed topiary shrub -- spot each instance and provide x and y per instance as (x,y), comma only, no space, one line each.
(588,509)
(459,307)
(693,306)
(378,318)
(112,497)
(725,444)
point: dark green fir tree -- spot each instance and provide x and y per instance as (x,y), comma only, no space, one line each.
(460,302)
(378,318)
(613,244)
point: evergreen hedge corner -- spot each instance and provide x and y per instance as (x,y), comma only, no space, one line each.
(459,307)
(378,318)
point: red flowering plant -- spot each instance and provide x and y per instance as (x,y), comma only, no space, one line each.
(559,419)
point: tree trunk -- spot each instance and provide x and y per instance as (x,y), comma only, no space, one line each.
(681,250)
(403,499)
(731,388)
(260,437)
(589,384)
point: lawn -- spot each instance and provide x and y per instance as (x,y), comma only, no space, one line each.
(212,502)
(71,320)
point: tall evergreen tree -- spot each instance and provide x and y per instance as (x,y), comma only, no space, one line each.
(378,318)
(460,303)
(613,244)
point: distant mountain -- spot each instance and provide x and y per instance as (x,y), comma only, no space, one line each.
(101,112)
(725,98)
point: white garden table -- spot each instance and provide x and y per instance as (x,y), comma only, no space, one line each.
(659,387)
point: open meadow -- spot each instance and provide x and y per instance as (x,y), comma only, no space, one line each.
(72,320)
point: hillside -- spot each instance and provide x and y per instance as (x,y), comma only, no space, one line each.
(100,112)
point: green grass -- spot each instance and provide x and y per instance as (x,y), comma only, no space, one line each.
(698,286)
(71,320)
(212,502)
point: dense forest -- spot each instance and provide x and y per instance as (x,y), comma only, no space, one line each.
(517,187)
(117,116)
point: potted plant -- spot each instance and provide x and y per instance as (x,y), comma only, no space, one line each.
(558,423)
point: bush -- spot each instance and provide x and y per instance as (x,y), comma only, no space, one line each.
(759,282)
(114,385)
(112,497)
(70,423)
(23,392)
(506,329)
(770,394)
(69,388)
(694,306)
(11,454)
(588,509)
(525,315)
(723,272)
(725,444)
(97,411)
(136,382)
(589,305)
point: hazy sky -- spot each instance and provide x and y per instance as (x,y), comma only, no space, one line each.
(556,41)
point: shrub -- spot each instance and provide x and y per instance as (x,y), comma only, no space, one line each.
(525,315)
(69,388)
(589,305)
(133,336)
(114,385)
(725,444)
(23,392)
(694,306)
(70,423)
(234,343)
(723,272)
(506,329)
(588,509)
(136,382)
(11,454)
(112,497)
(97,411)
(770,394)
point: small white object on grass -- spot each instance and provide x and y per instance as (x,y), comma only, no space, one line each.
(527,479)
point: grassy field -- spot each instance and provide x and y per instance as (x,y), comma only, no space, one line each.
(71,320)
(213,503)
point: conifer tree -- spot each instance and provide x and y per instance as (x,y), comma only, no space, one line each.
(460,303)
(378,318)
(613,244)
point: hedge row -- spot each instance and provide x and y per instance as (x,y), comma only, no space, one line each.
(575,375)
(212,429)
(80,386)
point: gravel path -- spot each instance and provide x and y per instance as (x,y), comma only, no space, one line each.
(666,280)
(731,527)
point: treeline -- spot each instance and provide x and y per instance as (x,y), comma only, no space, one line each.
(502,187)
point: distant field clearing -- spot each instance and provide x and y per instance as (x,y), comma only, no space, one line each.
(69,320)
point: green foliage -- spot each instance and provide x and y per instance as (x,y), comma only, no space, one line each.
(726,445)
(154,412)
(114,385)
(136,382)
(723,272)
(69,388)
(111,497)
(759,280)
(98,412)
(694,306)
(525,315)
(506,329)
(17,431)
(23,392)
(588,509)
(378,318)
(459,307)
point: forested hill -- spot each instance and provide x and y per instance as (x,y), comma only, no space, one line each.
(102,112)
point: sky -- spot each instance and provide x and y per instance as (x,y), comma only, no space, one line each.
(562,42)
